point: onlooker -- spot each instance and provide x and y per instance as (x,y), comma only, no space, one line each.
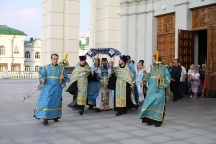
(141,61)
(182,81)
(190,71)
(202,78)
(139,81)
(202,72)
(195,82)
(175,75)
(170,67)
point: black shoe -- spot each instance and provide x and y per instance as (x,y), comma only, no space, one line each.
(124,111)
(174,100)
(70,105)
(45,122)
(81,112)
(74,109)
(149,124)
(118,113)
(90,107)
(97,110)
(157,125)
(56,120)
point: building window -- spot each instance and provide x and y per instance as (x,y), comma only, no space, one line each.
(27,68)
(37,55)
(37,68)
(2,50)
(1,68)
(13,68)
(27,54)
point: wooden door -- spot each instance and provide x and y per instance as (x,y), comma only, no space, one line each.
(171,47)
(211,62)
(166,47)
(186,48)
(166,37)
(161,47)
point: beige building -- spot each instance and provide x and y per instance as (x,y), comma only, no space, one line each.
(32,51)
(11,49)
(17,54)
(183,29)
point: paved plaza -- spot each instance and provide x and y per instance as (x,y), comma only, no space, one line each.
(188,121)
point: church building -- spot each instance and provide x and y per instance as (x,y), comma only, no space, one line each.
(183,29)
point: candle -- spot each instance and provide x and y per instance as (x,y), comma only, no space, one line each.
(157,56)
(65,58)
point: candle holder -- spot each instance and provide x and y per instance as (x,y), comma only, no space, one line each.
(63,64)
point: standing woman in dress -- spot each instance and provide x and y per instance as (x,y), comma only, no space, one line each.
(190,71)
(195,82)
(139,83)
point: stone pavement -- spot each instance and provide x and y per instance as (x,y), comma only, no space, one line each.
(188,121)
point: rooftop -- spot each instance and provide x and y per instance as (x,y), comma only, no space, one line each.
(5,30)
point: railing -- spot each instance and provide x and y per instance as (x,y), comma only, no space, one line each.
(19,74)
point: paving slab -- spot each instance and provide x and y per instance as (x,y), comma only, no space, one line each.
(188,121)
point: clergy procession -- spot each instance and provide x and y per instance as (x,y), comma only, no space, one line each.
(103,87)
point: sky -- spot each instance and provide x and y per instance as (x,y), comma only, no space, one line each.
(25,15)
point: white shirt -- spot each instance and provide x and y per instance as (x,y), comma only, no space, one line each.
(189,72)
(139,76)
(196,76)
(183,72)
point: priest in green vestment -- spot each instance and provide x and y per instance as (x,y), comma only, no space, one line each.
(153,108)
(122,82)
(78,85)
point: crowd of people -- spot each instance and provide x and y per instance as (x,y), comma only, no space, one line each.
(191,82)
(104,87)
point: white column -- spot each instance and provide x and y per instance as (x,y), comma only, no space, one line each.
(124,35)
(196,48)
(60,30)
(71,30)
(92,24)
(9,66)
(22,67)
(183,20)
(151,39)
(124,30)
(141,39)
(133,27)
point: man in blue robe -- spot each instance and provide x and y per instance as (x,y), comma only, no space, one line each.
(49,106)
(94,84)
(153,108)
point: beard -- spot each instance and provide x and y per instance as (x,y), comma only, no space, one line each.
(121,64)
(82,64)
